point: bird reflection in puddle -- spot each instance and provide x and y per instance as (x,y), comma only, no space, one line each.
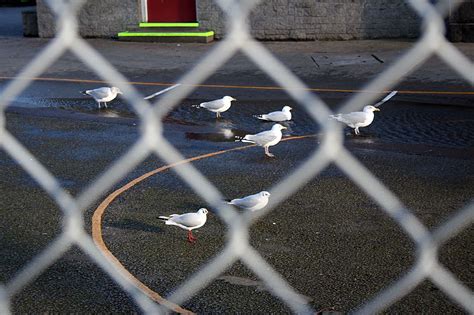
(224,131)
(109,113)
(363,139)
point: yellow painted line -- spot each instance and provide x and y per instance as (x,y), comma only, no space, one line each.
(249,87)
(99,212)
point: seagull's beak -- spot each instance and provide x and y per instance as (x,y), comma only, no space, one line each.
(233,99)
(283,127)
(377,109)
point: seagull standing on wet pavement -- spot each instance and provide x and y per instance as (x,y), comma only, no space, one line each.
(252,202)
(357,119)
(103,94)
(364,118)
(217,106)
(187,221)
(283,115)
(265,139)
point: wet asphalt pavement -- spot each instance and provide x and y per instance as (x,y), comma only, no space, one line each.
(330,241)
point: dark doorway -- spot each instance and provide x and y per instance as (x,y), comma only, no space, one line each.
(171,10)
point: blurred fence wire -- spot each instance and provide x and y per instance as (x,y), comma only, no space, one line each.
(331,150)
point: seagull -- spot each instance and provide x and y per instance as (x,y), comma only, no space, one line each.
(364,118)
(252,202)
(103,94)
(265,139)
(217,106)
(277,116)
(187,221)
(357,119)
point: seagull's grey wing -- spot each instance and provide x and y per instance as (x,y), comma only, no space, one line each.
(213,104)
(100,92)
(264,137)
(386,98)
(187,219)
(353,118)
(247,202)
(276,116)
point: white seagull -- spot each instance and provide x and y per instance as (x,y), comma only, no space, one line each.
(187,221)
(265,139)
(217,106)
(357,119)
(364,118)
(283,115)
(252,202)
(103,94)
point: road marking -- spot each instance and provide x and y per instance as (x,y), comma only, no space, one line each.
(247,87)
(99,212)
(162,91)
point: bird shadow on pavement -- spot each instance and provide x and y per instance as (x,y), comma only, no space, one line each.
(128,224)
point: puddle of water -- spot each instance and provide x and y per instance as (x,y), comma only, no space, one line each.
(360,139)
(224,136)
(397,123)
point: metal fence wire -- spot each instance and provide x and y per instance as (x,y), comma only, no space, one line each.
(331,150)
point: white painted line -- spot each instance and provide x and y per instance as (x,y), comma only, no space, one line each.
(162,91)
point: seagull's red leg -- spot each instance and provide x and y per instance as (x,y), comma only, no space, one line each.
(191,238)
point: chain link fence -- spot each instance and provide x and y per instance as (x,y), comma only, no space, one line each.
(331,150)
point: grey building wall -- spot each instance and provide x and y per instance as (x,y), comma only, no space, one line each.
(104,18)
(321,19)
(271,20)
(461,22)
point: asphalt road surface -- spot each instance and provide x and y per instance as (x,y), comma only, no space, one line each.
(333,243)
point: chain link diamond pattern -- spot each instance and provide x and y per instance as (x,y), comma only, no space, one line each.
(152,142)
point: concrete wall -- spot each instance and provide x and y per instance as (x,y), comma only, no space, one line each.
(103,18)
(461,22)
(271,20)
(321,19)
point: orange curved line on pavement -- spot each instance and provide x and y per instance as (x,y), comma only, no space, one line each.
(99,212)
(221,86)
